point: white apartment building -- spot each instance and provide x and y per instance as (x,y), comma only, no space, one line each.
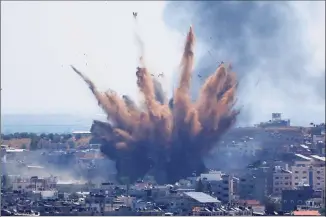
(282,180)
(309,170)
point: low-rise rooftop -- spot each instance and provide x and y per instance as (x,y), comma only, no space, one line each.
(202,197)
(303,157)
(306,213)
(318,158)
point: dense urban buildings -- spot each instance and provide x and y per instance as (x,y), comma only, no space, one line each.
(277,170)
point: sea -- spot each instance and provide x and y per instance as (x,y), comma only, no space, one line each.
(46,123)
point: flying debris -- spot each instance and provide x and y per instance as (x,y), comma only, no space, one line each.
(257,82)
(199,76)
(134,14)
(164,138)
(160,75)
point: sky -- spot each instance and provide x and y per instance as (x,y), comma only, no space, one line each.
(40,40)
(278,51)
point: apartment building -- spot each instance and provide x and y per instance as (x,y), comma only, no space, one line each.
(221,184)
(253,184)
(282,180)
(309,170)
(34,184)
(293,198)
(318,172)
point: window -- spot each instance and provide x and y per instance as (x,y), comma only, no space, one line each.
(304,177)
(286,183)
(299,201)
(318,177)
(276,189)
(276,177)
(318,172)
(296,183)
(304,172)
(296,171)
(292,201)
(284,201)
(296,177)
(276,183)
(286,177)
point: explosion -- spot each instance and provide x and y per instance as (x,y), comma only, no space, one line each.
(166,138)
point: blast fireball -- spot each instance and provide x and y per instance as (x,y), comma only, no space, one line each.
(168,138)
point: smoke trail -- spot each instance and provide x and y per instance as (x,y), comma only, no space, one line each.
(159,94)
(183,110)
(129,102)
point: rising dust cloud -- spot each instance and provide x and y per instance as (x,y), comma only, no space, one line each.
(165,138)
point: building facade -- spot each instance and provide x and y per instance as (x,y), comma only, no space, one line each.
(220,184)
(282,180)
(34,184)
(291,199)
(309,170)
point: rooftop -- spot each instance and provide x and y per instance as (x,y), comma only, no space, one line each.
(212,176)
(202,197)
(303,157)
(15,150)
(35,167)
(304,146)
(306,213)
(81,132)
(285,171)
(250,202)
(318,157)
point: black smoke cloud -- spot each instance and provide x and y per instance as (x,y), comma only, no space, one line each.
(278,49)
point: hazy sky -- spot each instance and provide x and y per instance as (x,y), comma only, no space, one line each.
(277,50)
(41,39)
(280,44)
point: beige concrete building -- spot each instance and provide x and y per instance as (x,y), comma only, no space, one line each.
(309,170)
(282,180)
(318,172)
